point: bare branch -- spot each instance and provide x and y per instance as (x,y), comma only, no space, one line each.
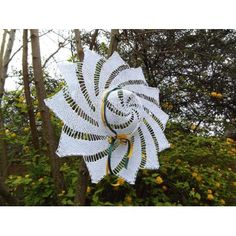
(28,41)
(61,45)
(15,53)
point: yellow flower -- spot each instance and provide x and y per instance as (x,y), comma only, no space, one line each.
(216,95)
(26,129)
(128,199)
(210,196)
(199,178)
(209,191)
(88,189)
(194,174)
(217,184)
(159,180)
(222,202)
(165,105)
(213,94)
(234,183)
(13,135)
(230,141)
(7,131)
(168,105)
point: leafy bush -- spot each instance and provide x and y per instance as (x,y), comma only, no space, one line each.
(196,170)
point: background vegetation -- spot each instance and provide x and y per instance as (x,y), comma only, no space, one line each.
(196,73)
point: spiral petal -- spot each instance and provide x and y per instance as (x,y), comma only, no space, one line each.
(72,114)
(72,146)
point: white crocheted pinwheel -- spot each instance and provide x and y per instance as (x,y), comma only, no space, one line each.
(111,117)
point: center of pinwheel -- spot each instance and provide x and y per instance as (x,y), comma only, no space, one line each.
(122,111)
(121,114)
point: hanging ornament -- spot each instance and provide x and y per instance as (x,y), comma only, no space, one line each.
(111,117)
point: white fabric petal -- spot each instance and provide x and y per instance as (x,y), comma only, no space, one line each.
(146,93)
(97,170)
(69,146)
(161,138)
(68,71)
(89,65)
(63,111)
(130,76)
(112,64)
(70,75)
(152,155)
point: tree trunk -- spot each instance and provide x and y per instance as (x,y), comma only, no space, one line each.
(83,176)
(78,44)
(93,40)
(4,62)
(48,133)
(113,42)
(28,97)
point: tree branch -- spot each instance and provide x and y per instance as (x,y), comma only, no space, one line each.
(61,45)
(93,40)
(113,42)
(78,43)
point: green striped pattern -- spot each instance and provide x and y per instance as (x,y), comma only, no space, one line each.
(143,148)
(132,82)
(150,99)
(83,136)
(97,75)
(114,74)
(99,155)
(151,131)
(123,125)
(116,111)
(83,86)
(77,109)
(154,118)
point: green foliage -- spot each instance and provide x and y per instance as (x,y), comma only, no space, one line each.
(196,170)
